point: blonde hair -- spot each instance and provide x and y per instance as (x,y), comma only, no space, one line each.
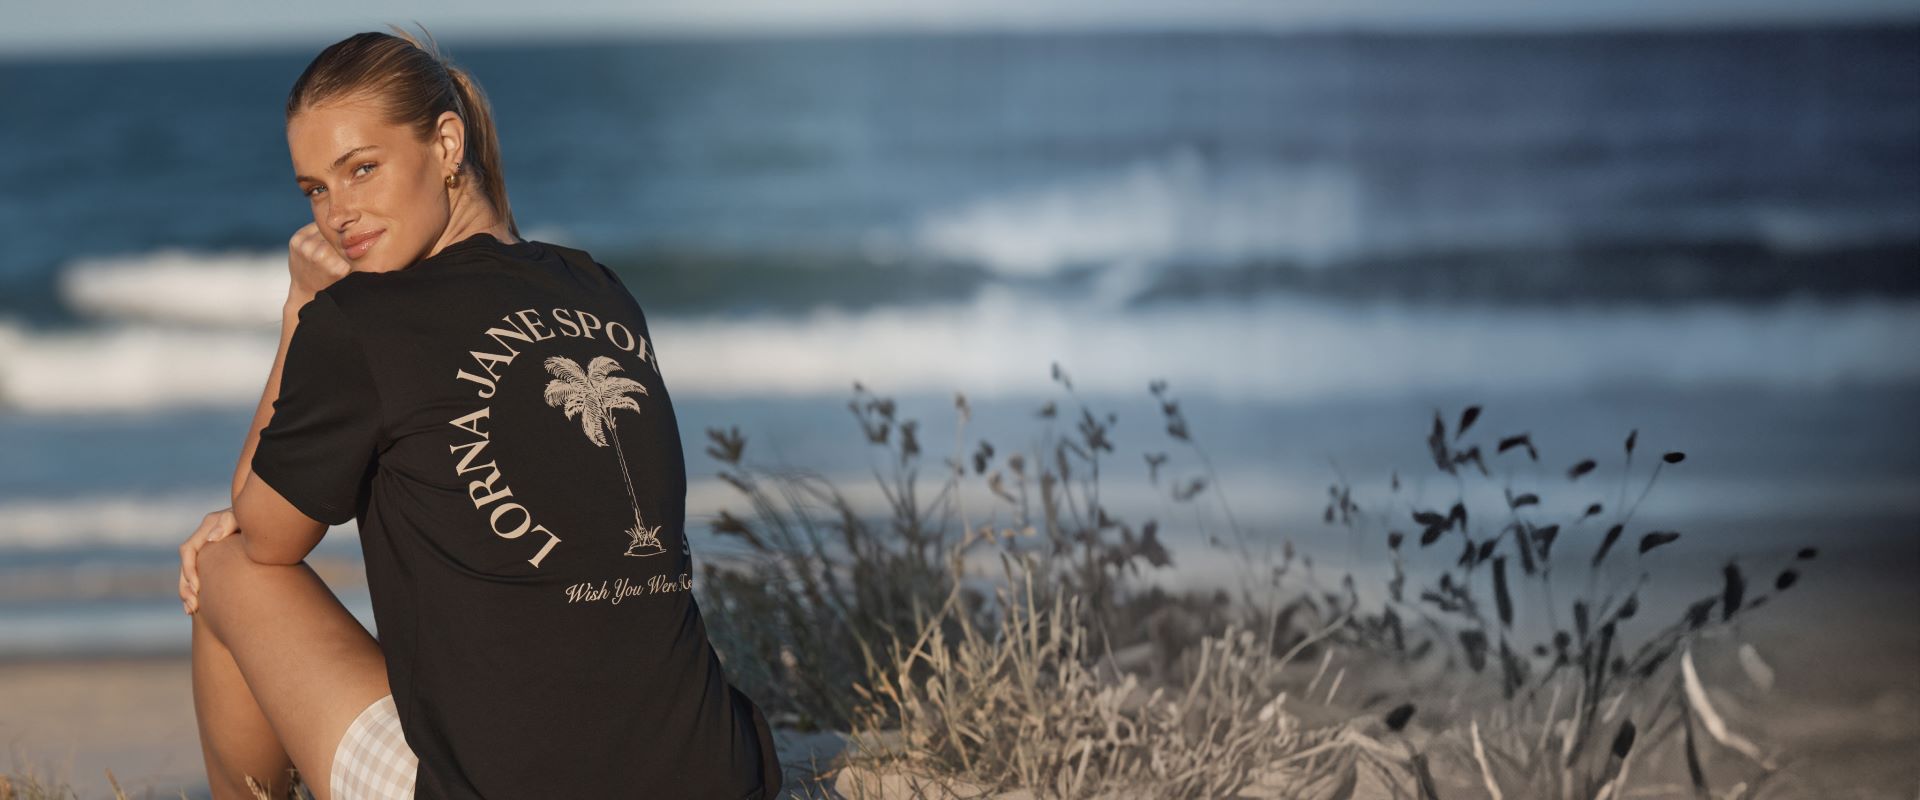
(411,83)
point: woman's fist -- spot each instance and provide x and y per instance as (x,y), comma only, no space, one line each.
(313,262)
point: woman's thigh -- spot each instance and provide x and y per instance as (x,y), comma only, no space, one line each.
(310,664)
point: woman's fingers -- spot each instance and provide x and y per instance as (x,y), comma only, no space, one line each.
(188,595)
(213,527)
(313,262)
(189,567)
(188,551)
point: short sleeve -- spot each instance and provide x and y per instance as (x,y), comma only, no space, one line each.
(613,277)
(319,447)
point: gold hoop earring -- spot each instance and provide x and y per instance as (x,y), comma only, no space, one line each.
(453,181)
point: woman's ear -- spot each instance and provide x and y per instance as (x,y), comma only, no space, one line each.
(450,137)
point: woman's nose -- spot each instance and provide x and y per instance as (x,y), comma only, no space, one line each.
(340,213)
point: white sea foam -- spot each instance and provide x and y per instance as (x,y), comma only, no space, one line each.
(176,285)
(1273,348)
(1187,209)
(116,519)
(1279,348)
(131,367)
(190,287)
(1176,207)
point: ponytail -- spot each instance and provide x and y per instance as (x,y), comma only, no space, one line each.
(411,84)
(483,145)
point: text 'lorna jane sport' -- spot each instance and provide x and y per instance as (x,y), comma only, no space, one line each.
(508,518)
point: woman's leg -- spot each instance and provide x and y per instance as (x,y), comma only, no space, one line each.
(280,668)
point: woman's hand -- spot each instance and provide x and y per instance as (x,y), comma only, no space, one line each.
(313,263)
(213,527)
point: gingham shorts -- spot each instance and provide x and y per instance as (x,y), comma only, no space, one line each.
(373,761)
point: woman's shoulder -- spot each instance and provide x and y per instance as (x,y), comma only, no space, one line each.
(427,284)
(584,263)
(574,256)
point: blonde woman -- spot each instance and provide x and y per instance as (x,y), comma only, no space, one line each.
(490,411)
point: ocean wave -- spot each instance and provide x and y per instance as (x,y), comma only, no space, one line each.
(179,285)
(1291,347)
(186,286)
(1178,207)
(1276,347)
(136,520)
(130,367)
(1167,222)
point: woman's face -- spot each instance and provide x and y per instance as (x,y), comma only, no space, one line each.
(363,176)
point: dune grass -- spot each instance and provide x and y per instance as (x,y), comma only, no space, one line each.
(1058,673)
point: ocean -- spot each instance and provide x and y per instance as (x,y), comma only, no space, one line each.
(1319,240)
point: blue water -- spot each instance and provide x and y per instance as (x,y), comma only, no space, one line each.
(1738,154)
(1711,236)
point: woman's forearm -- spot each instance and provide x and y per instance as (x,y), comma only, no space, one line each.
(289,317)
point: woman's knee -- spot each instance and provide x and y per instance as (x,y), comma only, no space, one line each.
(223,566)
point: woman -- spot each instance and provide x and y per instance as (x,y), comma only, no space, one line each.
(489,409)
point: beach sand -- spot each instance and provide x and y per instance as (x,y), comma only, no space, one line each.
(71,720)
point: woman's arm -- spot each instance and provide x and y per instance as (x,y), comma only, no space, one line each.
(282,533)
(290,534)
(289,318)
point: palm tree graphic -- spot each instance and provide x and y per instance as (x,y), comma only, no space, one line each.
(594,394)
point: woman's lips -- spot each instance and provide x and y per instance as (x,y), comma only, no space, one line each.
(360,249)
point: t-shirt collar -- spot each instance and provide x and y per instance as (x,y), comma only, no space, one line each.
(524,248)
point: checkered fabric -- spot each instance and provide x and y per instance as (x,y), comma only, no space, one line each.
(373,761)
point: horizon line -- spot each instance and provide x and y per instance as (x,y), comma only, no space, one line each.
(487,36)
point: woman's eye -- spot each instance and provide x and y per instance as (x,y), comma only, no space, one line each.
(309,192)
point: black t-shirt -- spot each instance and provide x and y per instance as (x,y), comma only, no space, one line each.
(495,419)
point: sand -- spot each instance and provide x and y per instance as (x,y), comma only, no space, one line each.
(72,720)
